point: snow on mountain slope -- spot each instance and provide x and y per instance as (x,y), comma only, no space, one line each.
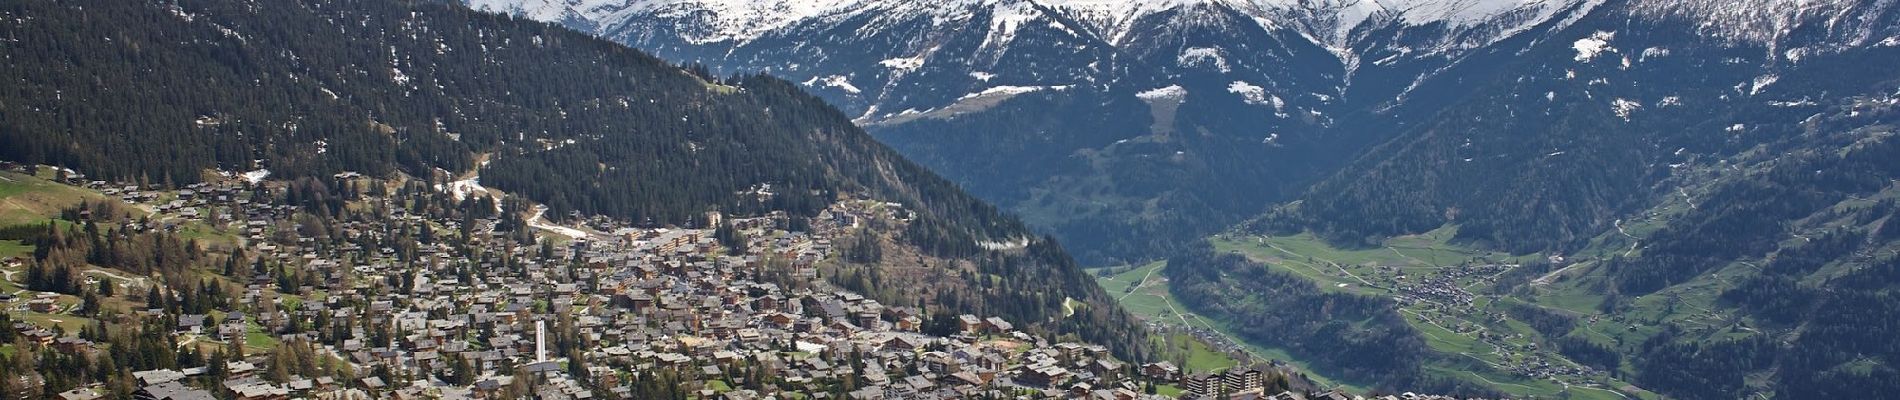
(901,55)
(726,19)
(742,20)
(1764,21)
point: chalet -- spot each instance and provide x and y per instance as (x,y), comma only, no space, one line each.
(1163,371)
(191,323)
(172,391)
(898,343)
(1044,376)
(253,388)
(969,323)
(39,337)
(997,325)
(43,305)
(81,394)
(158,376)
(72,344)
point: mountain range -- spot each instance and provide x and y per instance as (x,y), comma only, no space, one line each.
(1122,126)
(1694,198)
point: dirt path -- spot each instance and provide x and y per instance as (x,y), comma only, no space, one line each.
(1395,250)
(1545,280)
(1139,285)
(1342,269)
(1488,380)
(140,280)
(1635,242)
(537,222)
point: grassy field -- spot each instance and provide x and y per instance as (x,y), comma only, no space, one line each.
(71,323)
(9,248)
(1169,391)
(30,200)
(1452,330)
(1201,358)
(256,340)
(1150,300)
(1142,291)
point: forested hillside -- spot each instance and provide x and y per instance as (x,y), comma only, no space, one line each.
(1361,338)
(1805,247)
(1738,249)
(1716,208)
(166,92)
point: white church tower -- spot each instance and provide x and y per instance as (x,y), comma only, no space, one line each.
(540,341)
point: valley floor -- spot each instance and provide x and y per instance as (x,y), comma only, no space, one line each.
(1444,292)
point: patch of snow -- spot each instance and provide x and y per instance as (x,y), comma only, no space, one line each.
(1019,243)
(1248,92)
(1669,101)
(1011,91)
(903,65)
(1201,57)
(1590,47)
(1654,52)
(1750,21)
(537,222)
(1795,55)
(1762,82)
(1005,20)
(982,76)
(842,83)
(1737,128)
(461,189)
(1173,92)
(1625,107)
(256,176)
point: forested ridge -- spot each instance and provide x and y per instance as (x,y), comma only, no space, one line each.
(164,92)
(1820,311)
(1730,206)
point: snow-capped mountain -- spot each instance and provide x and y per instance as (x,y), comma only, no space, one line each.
(880,58)
(1089,117)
